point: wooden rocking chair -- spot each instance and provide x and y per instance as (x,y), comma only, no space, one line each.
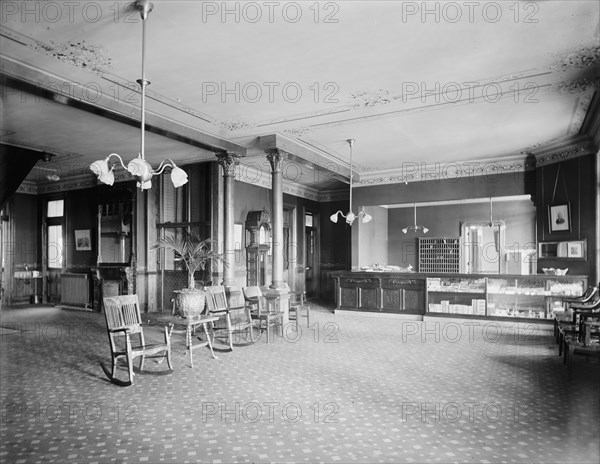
(123,319)
(237,318)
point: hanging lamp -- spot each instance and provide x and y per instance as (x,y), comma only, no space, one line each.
(415,227)
(350,216)
(138,167)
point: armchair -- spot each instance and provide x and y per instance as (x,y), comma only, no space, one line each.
(123,319)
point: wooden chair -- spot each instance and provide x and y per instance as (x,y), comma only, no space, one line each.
(237,318)
(568,317)
(573,327)
(266,309)
(123,319)
(299,308)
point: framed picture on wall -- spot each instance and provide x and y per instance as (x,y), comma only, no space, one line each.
(559,217)
(83,241)
(575,249)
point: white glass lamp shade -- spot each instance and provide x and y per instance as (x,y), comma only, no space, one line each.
(350,217)
(145,185)
(405,230)
(101,170)
(367,218)
(425,230)
(334,217)
(178,176)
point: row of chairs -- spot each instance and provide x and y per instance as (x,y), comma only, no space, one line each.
(577,329)
(259,311)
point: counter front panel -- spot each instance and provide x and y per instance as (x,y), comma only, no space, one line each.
(479,295)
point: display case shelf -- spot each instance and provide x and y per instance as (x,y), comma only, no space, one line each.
(521,296)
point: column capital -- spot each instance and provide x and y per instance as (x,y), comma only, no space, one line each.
(228,162)
(276,157)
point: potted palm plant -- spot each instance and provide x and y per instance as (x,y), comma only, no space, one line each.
(194,253)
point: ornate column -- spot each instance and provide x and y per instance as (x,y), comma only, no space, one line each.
(276,158)
(228,162)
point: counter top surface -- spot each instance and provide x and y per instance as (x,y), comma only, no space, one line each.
(451,276)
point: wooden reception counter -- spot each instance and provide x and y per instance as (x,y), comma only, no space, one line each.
(470,295)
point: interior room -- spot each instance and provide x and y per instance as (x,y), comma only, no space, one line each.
(300,232)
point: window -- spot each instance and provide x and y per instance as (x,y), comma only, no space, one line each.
(55,208)
(308,218)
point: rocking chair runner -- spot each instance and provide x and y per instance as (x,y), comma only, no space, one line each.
(123,319)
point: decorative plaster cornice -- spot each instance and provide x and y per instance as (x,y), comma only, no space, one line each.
(27,187)
(556,156)
(334,195)
(74,182)
(421,172)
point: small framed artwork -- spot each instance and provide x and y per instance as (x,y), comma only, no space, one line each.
(83,241)
(575,249)
(559,217)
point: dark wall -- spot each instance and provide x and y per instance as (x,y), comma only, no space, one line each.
(335,237)
(81,214)
(572,182)
(27,232)
(335,246)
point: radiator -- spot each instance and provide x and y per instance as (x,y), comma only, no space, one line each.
(75,290)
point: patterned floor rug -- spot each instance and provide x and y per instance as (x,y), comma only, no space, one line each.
(348,389)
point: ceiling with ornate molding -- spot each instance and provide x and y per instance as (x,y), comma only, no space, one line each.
(412,82)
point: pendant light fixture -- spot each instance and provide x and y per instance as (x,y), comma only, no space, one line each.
(415,227)
(491,223)
(350,216)
(139,168)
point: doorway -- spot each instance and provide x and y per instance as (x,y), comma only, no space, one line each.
(311,255)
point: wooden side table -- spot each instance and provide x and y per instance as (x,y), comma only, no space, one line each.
(188,326)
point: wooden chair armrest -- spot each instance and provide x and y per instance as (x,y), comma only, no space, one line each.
(119,330)
(203,320)
(220,311)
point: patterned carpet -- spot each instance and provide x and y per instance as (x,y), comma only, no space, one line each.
(352,389)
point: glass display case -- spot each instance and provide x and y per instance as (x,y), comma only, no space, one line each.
(456,295)
(522,296)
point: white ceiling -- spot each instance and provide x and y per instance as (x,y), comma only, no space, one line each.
(513,82)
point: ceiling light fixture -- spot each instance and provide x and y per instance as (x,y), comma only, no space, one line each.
(139,168)
(491,223)
(350,216)
(415,227)
(52,173)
